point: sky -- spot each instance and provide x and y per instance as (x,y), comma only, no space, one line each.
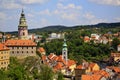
(42,13)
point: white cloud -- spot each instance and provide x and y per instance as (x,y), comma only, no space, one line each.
(44,22)
(45,12)
(68,12)
(10,4)
(69,6)
(117,19)
(107,2)
(89,16)
(70,16)
(33,1)
(92,19)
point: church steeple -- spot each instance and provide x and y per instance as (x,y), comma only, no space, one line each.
(65,51)
(22,27)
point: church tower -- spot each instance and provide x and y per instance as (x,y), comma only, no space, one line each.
(22,27)
(65,51)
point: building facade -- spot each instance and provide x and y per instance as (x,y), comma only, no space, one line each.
(21,48)
(22,27)
(4,56)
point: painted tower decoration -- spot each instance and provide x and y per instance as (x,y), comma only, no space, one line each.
(22,27)
(65,51)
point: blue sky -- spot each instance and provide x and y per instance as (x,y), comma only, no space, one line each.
(41,13)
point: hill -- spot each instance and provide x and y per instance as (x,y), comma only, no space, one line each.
(57,28)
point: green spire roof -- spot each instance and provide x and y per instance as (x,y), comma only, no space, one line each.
(22,21)
(64,45)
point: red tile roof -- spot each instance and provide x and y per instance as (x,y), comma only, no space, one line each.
(91,77)
(79,67)
(91,65)
(116,69)
(41,49)
(102,72)
(70,62)
(3,47)
(51,55)
(58,66)
(44,57)
(20,43)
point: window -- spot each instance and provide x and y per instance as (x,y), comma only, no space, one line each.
(27,51)
(32,51)
(2,57)
(23,33)
(4,62)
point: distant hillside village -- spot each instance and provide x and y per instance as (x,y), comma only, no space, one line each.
(24,45)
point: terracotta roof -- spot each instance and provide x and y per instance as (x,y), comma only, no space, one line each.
(86,77)
(102,72)
(70,63)
(116,69)
(41,49)
(86,38)
(79,67)
(3,47)
(61,60)
(55,58)
(58,66)
(91,77)
(44,57)
(91,65)
(20,43)
(51,55)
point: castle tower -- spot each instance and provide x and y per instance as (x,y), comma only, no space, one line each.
(22,27)
(65,51)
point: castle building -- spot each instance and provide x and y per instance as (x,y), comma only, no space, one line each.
(21,48)
(22,27)
(4,56)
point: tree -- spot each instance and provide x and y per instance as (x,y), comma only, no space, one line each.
(60,76)
(115,43)
(46,73)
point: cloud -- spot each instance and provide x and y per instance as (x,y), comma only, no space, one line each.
(33,1)
(107,2)
(89,16)
(68,12)
(69,6)
(92,19)
(117,19)
(9,4)
(45,12)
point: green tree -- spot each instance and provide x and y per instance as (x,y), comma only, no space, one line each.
(60,76)
(46,73)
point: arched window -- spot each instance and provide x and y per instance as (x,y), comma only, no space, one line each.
(23,33)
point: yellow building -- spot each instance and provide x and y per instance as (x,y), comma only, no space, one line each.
(4,56)
(93,67)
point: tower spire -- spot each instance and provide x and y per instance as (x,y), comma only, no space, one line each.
(65,51)
(22,10)
(22,27)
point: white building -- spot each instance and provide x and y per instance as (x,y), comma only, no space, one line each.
(119,48)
